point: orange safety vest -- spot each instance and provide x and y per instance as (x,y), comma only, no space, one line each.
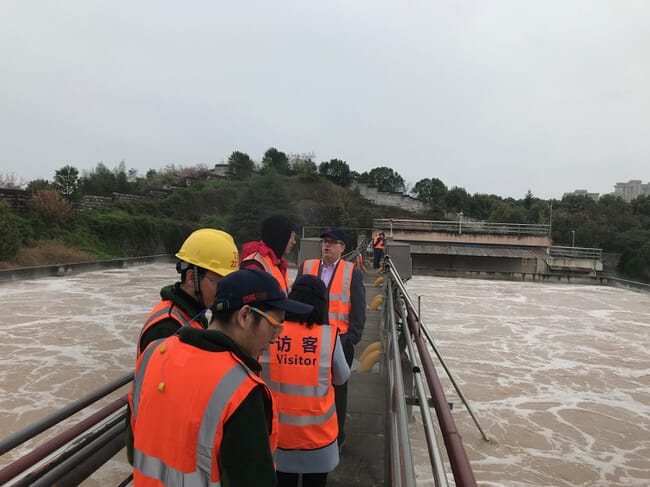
(339,292)
(379,243)
(272,269)
(176,443)
(298,369)
(163,310)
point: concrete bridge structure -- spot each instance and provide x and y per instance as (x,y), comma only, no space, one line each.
(494,248)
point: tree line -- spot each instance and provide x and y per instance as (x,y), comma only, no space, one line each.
(313,194)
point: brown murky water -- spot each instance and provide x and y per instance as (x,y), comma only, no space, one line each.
(558,375)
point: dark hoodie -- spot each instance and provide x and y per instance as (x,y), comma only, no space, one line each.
(276,231)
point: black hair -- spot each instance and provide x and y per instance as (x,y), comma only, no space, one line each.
(309,289)
(182,267)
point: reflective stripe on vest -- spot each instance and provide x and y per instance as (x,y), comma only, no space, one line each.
(139,376)
(302,388)
(339,292)
(294,420)
(272,269)
(324,367)
(166,309)
(154,467)
(233,382)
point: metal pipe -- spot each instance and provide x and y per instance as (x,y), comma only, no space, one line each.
(32,458)
(438,467)
(453,381)
(424,330)
(463,474)
(403,446)
(12,441)
(83,463)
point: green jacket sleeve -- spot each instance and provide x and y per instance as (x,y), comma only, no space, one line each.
(245,457)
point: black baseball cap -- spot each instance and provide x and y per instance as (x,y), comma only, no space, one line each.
(335,233)
(254,287)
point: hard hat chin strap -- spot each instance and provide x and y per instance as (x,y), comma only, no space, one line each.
(197,288)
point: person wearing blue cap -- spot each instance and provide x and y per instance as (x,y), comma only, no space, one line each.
(346,304)
(201,414)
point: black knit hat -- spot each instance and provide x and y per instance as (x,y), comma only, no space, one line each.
(276,231)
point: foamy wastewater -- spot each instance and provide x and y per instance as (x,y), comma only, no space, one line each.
(557,375)
(66,336)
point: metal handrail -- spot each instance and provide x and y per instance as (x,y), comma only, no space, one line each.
(435,456)
(32,458)
(458,460)
(358,250)
(401,471)
(12,441)
(460,226)
(575,252)
(78,461)
(423,330)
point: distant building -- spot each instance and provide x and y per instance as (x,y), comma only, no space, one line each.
(221,170)
(632,189)
(582,192)
(399,200)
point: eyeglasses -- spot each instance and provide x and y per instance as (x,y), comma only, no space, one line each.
(268,317)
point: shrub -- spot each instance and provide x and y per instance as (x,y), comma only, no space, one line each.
(50,207)
(51,252)
(9,232)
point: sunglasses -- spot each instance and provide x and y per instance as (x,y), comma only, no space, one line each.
(268,317)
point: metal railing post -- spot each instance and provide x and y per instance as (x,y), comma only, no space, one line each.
(424,330)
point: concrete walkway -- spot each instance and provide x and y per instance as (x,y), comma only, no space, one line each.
(362,458)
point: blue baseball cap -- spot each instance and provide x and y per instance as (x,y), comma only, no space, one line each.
(254,287)
(335,233)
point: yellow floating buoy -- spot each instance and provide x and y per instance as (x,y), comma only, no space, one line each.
(379,281)
(370,348)
(369,360)
(376,301)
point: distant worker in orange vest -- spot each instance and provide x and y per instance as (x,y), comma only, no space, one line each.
(300,368)
(205,257)
(269,253)
(346,304)
(378,244)
(201,413)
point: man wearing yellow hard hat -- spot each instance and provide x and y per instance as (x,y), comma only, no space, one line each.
(205,257)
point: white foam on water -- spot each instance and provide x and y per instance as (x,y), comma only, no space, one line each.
(64,337)
(558,376)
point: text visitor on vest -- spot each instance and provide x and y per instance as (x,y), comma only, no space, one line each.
(300,368)
(201,415)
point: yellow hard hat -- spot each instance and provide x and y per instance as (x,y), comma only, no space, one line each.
(211,249)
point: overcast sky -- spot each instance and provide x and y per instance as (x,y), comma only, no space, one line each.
(493,96)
